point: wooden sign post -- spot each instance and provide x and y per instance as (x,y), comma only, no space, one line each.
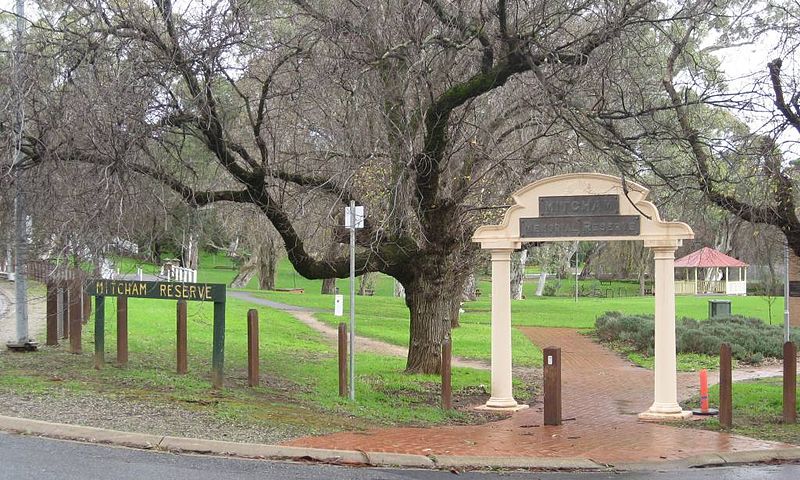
(789,382)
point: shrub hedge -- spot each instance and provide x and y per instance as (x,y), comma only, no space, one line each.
(751,339)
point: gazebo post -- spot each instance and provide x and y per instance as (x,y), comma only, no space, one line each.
(727,279)
(695,280)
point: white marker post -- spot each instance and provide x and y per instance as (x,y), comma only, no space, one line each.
(338,305)
(353,219)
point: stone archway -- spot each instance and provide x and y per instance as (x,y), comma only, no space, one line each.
(585,206)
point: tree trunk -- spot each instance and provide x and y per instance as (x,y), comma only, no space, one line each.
(189,251)
(366,282)
(399,290)
(518,260)
(641,282)
(434,310)
(591,255)
(470,293)
(247,271)
(540,285)
(328,286)
(267,260)
(157,252)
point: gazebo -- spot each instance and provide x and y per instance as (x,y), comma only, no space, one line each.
(708,271)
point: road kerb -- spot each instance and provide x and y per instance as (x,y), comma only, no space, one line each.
(697,461)
(257,450)
(388,459)
(540,463)
(80,433)
(760,456)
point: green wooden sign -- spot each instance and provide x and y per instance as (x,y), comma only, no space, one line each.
(201,292)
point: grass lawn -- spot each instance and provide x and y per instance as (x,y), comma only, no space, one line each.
(386,318)
(757,411)
(299,372)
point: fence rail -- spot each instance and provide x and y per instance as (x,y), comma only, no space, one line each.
(45,271)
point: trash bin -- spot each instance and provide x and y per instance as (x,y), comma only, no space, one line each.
(719,309)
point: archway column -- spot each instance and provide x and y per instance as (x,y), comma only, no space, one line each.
(665,405)
(502,396)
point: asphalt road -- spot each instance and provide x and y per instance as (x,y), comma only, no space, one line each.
(38,458)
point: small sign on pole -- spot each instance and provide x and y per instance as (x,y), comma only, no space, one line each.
(359,216)
(338,305)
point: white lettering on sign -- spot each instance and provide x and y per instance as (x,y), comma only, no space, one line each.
(549,359)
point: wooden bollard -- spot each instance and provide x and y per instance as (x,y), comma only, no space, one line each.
(789,382)
(63,310)
(52,314)
(99,333)
(74,313)
(725,387)
(342,347)
(552,386)
(86,304)
(122,331)
(447,386)
(183,361)
(252,348)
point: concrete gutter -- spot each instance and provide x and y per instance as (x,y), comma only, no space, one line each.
(360,458)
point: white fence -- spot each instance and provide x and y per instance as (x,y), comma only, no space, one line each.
(174,273)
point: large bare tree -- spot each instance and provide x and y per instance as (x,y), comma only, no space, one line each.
(425,111)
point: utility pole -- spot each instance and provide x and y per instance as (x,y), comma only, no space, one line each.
(23,341)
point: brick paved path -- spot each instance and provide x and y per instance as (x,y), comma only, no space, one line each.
(601,396)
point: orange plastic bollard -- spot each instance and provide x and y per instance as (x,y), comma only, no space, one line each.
(704,410)
(704,391)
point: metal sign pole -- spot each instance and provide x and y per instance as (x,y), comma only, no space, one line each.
(352,392)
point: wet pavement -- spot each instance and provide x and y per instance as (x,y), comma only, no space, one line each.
(602,395)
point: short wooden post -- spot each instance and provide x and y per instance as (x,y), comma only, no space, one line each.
(252,348)
(99,332)
(183,362)
(86,303)
(342,359)
(789,382)
(552,386)
(447,387)
(63,308)
(218,346)
(122,331)
(74,313)
(52,313)
(725,387)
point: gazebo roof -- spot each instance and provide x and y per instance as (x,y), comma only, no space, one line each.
(708,257)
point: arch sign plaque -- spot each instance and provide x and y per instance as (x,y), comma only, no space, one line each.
(585,206)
